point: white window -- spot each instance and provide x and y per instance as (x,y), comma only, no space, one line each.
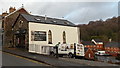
(49,37)
(64,37)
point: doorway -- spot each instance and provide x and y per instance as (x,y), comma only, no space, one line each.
(20,41)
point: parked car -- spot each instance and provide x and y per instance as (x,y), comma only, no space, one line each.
(100,53)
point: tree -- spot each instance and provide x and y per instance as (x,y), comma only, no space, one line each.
(101,29)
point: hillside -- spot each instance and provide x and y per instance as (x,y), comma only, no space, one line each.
(105,30)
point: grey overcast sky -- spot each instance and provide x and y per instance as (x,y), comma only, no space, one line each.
(76,11)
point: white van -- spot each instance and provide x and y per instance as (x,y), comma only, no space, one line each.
(71,50)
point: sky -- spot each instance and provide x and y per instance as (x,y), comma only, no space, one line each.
(76,11)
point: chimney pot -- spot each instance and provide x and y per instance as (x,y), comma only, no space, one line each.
(45,17)
(11,9)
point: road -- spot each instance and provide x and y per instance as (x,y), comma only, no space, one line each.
(13,60)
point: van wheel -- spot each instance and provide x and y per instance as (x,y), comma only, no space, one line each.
(70,55)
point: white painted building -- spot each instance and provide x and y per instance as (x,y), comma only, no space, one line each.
(44,31)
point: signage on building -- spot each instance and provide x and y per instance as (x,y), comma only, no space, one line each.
(38,35)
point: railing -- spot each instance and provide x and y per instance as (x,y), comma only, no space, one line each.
(40,49)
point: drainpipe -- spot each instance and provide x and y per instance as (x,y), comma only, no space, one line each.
(79,34)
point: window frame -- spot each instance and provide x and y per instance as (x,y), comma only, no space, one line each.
(49,37)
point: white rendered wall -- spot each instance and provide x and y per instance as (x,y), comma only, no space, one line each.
(57,33)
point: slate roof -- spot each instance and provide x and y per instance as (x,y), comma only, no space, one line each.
(87,43)
(113,44)
(41,19)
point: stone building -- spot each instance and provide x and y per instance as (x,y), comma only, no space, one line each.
(9,19)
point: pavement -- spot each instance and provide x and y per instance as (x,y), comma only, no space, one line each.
(49,60)
(88,62)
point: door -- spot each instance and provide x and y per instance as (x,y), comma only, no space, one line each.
(22,40)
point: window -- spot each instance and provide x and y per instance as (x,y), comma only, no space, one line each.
(115,48)
(89,55)
(49,37)
(54,21)
(72,46)
(20,23)
(64,37)
(38,19)
(32,35)
(38,36)
(66,22)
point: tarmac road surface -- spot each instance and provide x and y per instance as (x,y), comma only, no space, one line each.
(13,60)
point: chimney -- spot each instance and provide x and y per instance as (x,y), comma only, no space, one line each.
(11,9)
(30,12)
(4,13)
(22,5)
(14,8)
(45,17)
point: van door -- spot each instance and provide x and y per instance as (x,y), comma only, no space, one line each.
(79,50)
(62,49)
